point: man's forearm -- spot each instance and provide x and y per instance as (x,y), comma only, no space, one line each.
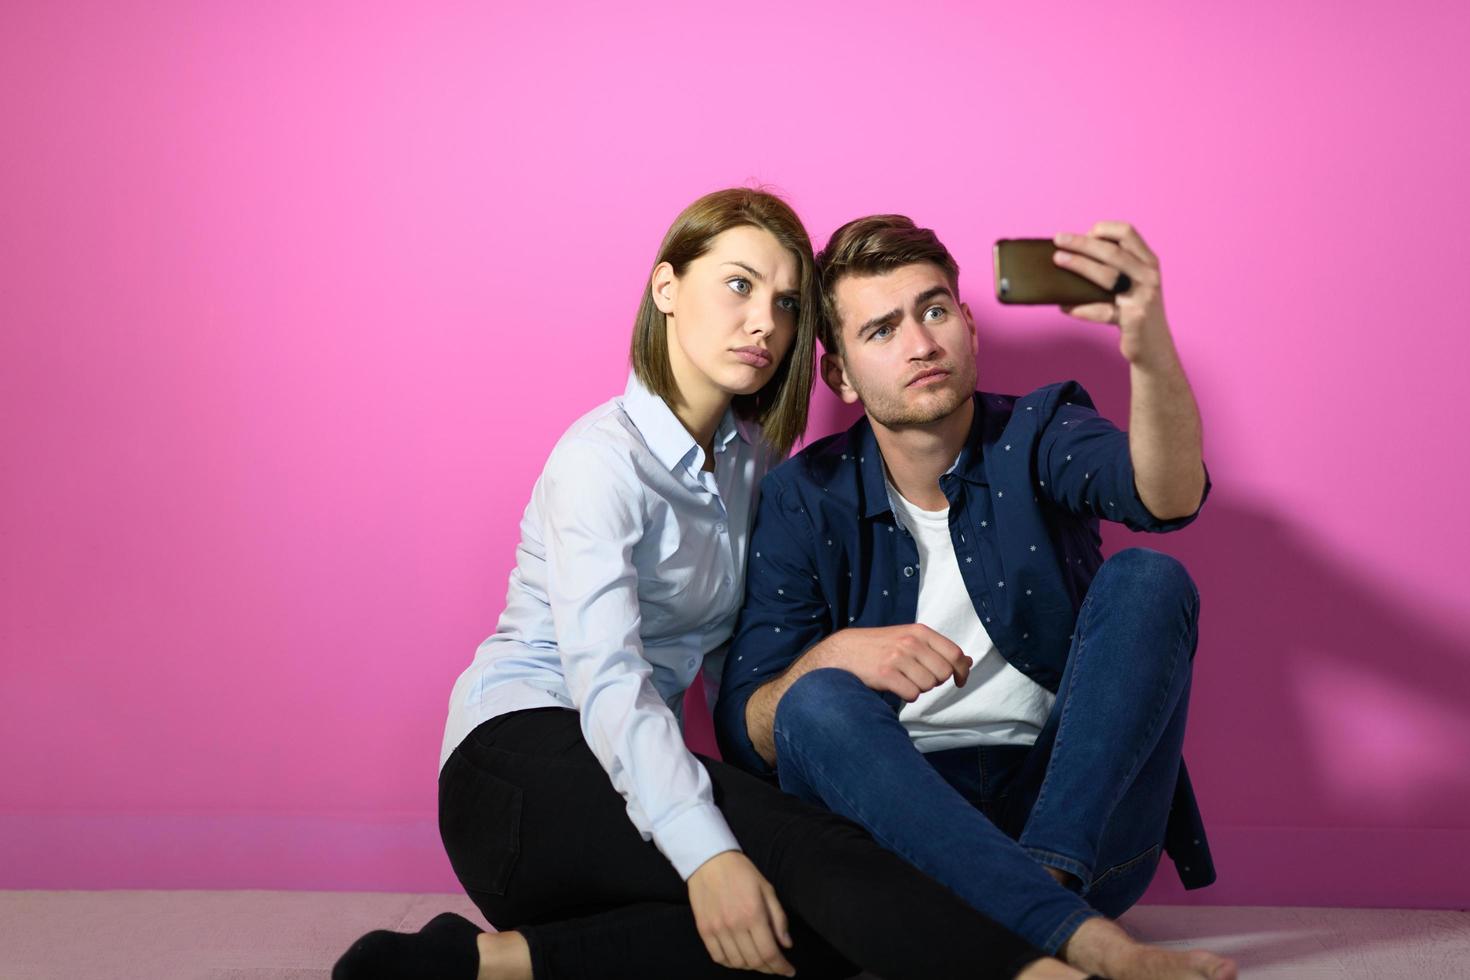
(1164,439)
(760,710)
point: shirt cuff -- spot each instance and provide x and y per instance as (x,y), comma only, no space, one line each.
(693,837)
(733,736)
(1163,527)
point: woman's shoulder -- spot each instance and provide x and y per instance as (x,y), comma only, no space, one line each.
(601,449)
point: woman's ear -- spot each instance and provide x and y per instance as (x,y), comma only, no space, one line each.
(664,287)
(836,377)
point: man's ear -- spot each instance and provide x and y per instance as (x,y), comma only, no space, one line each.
(970,322)
(664,286)
(835,375)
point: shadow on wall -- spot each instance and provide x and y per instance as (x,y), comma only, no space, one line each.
(1320,701)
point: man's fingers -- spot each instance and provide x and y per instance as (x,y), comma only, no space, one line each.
(941,644)
(918,674)
(1096,312)
(894,680)
(1128,237)
(1077,251)
(1102,273)
(941,667)
(962,671)
(950,651)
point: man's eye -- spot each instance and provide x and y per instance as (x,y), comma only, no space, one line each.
(740,284)
(938,312)
(881,333)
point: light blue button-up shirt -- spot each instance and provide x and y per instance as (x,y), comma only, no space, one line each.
(629,575)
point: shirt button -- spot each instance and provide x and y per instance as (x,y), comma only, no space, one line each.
(720,528)
(692,661)
(908,571)
(727,580)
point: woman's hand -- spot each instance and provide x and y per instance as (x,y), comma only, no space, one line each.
(738,916)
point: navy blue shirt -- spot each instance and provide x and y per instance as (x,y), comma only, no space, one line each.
(1036,475)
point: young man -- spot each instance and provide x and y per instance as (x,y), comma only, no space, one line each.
(932,644)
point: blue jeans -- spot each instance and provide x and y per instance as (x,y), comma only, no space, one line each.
(1090,798)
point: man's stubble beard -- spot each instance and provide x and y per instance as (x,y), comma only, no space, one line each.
(891,412)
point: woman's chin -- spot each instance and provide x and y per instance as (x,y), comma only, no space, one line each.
(747,382)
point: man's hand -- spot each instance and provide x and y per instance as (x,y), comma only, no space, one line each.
(738,916)
(907,660)
(1110,248)
(1165,439)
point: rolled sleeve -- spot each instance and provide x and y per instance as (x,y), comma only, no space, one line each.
(1084,465)
(784,614)
(593,507)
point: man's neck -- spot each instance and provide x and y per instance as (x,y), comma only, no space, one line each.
(916,456)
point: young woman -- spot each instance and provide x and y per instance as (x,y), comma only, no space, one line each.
(572,812)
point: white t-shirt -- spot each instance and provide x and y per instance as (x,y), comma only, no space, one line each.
(998,705)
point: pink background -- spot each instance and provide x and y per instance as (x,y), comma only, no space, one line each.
(296,297)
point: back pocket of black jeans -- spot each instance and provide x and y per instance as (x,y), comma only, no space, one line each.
(480,824)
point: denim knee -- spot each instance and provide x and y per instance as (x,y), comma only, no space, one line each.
(819,704)
(1150,577)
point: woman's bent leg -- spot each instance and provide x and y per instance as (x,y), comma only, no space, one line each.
(543,845)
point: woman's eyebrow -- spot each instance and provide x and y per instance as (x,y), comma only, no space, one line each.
(754,273)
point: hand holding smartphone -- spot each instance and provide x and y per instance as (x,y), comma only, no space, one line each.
(1026,275)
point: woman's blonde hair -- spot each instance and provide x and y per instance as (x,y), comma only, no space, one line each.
(780,406)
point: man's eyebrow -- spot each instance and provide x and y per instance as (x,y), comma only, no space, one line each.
(892,315)
(879,321)
(931,293)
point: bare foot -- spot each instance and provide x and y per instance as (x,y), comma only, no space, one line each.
(504,956)
(1050,969)
(1102,947)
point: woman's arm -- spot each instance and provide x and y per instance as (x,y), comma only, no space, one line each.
(592,509)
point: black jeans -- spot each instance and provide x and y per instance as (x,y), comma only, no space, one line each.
(543,845)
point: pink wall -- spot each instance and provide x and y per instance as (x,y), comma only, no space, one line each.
(294,302)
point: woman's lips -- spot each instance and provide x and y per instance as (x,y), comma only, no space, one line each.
(756,356)
(927,378)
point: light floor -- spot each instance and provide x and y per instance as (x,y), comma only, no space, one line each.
(258,935)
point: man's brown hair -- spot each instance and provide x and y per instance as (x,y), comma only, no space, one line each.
(872,246)
(781,405)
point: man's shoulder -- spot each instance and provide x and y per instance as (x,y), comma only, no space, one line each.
(1033,410)
(1058,392)
(823,463)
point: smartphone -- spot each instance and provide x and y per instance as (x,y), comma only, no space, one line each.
(1025,274)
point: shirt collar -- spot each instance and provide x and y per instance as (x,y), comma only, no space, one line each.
(970,466)
(661,429)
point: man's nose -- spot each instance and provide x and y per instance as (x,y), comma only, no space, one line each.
(922,344)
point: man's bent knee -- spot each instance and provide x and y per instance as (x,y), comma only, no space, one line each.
(822,702)
(1150,575)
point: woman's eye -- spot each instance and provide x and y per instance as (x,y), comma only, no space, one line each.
(740,284)
(790,304)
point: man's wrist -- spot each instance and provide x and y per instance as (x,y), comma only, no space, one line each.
(1160,358)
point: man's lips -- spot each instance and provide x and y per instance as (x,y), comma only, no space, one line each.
(757,356)
(929,377)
